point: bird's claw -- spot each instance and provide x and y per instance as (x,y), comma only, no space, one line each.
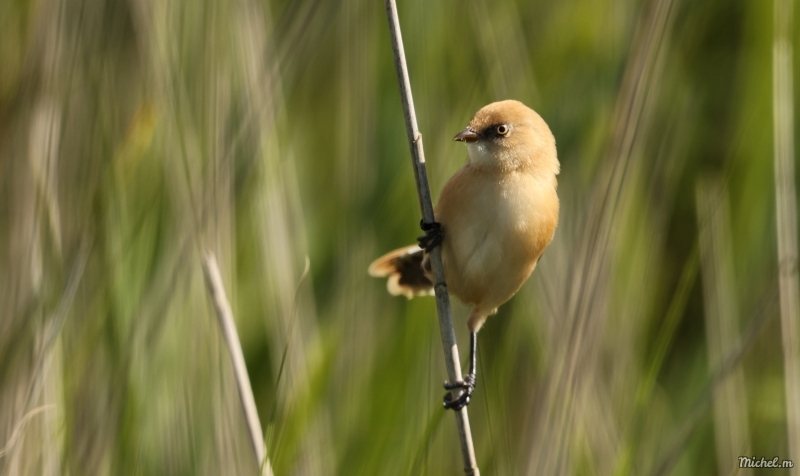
(433,235)
(468,386)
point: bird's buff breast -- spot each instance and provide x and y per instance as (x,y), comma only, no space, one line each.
(495,231)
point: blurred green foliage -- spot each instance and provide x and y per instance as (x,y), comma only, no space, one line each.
(136,134)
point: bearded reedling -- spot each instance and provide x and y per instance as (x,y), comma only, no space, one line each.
(494,219)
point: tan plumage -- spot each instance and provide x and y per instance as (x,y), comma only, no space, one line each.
(499,212)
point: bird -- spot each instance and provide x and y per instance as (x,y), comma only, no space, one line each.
(493,220)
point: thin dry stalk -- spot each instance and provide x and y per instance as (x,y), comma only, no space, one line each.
(421,176)
(786,213)
(223,310)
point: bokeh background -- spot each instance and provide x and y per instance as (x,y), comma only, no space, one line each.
(136,134)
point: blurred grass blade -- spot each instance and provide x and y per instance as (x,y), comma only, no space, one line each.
(20,427)
(588,296)
(786,218)
(699,408)
(722,324)
(281,366)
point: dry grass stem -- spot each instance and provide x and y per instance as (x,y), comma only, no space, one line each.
(223,311)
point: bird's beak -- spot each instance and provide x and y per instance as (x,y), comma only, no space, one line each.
(467,135)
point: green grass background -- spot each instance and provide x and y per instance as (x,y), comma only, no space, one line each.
(135,134)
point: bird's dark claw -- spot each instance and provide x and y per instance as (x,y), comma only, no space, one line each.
(468,385)
(433,235)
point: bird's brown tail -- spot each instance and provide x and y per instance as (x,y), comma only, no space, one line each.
(404,268)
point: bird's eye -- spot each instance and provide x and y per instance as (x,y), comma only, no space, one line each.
(502,129)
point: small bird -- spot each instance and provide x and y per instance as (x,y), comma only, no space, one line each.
(494,219)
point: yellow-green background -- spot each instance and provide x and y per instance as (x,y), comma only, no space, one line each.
(135,134)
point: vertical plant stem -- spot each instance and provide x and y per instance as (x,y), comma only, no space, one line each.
(786,214)
(223,310)
(421,176)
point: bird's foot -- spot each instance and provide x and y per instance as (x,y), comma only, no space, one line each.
(468,385)
(433,235)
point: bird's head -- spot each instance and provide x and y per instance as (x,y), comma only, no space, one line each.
(508,135)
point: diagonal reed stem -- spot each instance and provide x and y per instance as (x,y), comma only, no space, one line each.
(222,308)
(421,176)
